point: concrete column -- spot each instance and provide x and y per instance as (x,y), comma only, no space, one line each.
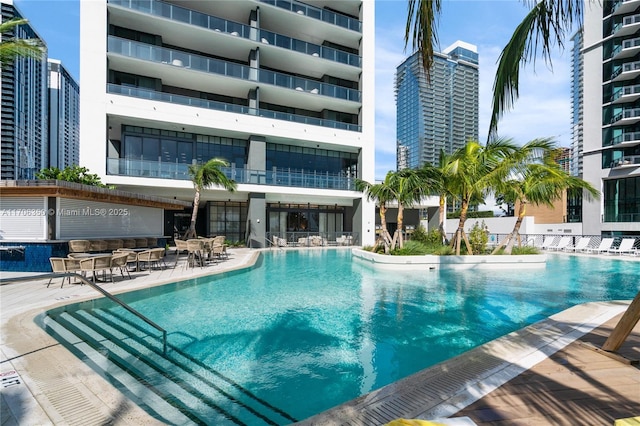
(257,159)
(257,220)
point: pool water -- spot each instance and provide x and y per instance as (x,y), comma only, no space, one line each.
(304,331)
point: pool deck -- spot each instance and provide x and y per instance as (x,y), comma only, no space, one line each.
(542,374)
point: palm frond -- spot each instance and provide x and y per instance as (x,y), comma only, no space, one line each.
(542,29)
(14,47)
(422,30)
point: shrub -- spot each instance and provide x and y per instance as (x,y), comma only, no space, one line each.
(478,238)
(411,248)
(471,215)
(521,250)
(420,235)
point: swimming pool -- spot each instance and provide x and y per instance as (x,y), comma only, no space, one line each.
(304,331)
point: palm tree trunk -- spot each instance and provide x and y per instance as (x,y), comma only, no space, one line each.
(384,231)
(400,225)
(460,231)
(441,210)
(510,240)
(191,233)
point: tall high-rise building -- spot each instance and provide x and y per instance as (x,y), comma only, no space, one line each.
(64,117)
(283,91)
(577,103)
(24,123)
(441,114)
(611,89)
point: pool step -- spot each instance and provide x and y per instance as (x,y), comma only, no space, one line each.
(188,387)
(100,363)
(191,369)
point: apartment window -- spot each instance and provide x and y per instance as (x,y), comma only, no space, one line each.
(622,200)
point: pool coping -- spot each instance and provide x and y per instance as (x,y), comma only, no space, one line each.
(433,262)
(58,386)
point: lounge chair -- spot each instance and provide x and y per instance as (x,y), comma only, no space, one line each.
(564,241)
(579,246)
(626,246)
(605,245)
(548,242)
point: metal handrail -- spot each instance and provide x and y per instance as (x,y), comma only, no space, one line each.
(101,290)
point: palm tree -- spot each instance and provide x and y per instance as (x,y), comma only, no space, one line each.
(436,179)
(204,176)
(547,24)
(409,186)
(472,172)
(540,182)
(382,194)
(13,47)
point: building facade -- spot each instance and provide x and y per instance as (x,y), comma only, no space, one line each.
(283,91)
(64,116)
(577,104)
(611,157)
(441,114)
(24,122)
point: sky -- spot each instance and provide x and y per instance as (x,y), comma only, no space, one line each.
(542,110)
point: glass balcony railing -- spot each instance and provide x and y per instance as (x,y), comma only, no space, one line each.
(178,58)
(325,15)
(179,171)
(624,91)
(181,14)
(622,217)
(625,137)
(627,160)
(335,55)
(137,92)
(626,113)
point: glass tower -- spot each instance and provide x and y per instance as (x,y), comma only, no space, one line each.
(441,114)
(24,108)
(64,117)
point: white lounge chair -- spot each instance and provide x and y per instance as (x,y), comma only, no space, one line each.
(605,245)
(579,246)
(626,246)
(564,241)
(548,242)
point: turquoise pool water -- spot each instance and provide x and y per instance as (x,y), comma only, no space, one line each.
(304,331)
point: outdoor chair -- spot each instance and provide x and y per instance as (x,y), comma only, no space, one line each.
(548,242)
(152,242)
(626,246)
(96,264)
(579,246)
(195,249)
(132,257)
(79,246)
(58,267)
(605,245)
(181,247)
(129,243)
(141,243)
(564,241)
(119,261)
(114,245)
(98,246)
(151,257)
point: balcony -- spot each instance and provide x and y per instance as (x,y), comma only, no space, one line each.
(626,138)
(626,117)
(628,26)
(201,20)
(317,13)
(627,49)
(625,94)
(178,59)
(622,7)
(627,71)
(626,161)
(137,92)
(335,55)
(179,171)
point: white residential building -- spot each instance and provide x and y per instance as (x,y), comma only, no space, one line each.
(611,114)
(284,91)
